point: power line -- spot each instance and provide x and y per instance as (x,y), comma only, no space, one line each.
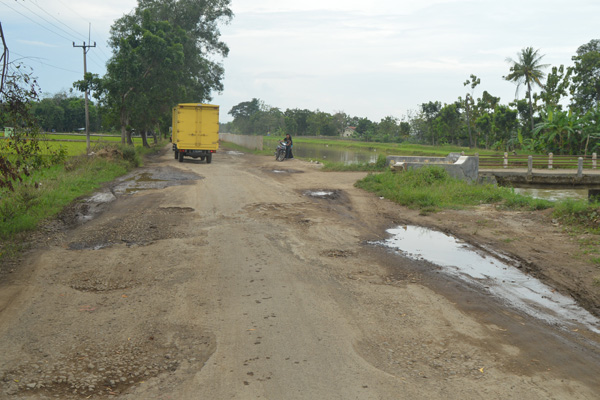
(44,19)
(37,60)
(84,18)
(97,60)
(70,9)
(37,23)
(59,21)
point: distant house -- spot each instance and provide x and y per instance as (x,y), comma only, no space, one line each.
(349,131)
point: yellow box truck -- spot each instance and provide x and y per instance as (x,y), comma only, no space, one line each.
(195,131)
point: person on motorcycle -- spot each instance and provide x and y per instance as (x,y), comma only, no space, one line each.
(288,146)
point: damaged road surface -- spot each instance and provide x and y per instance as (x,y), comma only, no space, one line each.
(229,281)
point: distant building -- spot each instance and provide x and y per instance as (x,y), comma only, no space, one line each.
(349,131)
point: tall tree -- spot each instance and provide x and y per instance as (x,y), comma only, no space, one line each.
(473,82)
(586,77)
(556,87)
(163,54)
(528,70)
(429,112)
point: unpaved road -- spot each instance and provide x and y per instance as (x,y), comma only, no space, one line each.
(230,282)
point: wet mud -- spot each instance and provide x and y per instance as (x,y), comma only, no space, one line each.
(492,273)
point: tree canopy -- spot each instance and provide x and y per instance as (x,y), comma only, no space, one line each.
(163,54)
(528,70)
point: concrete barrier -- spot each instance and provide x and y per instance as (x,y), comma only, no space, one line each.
(457,165)
(248,141)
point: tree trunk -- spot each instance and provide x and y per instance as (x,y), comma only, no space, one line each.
(123,134)
(144,139)
(530,105)
(469,122)
(124,123)
(129,140)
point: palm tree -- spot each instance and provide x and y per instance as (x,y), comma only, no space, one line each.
(527,69)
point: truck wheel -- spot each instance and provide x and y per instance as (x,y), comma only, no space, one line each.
(176,155)
(209,158)
(181,157)
(202,158)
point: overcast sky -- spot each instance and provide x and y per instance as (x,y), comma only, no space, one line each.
(368,59)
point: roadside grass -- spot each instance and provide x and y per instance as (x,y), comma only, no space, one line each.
(431,189)
(47,191)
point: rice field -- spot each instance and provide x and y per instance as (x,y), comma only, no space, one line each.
(74,144)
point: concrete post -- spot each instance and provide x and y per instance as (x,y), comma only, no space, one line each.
(550,155)
(580,167)
(593,160)
(529,165)
(505,160)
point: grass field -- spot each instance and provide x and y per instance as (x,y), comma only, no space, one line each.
(401,149)
(76,144)
(46,191)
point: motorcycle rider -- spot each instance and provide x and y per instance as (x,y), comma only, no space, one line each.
(288,146)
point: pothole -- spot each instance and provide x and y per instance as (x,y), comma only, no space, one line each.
(101,285)
(140,228)
(336,253)
(500,278)
(99,370)
(177,210)
(322,194)
(154,179)
(285,171)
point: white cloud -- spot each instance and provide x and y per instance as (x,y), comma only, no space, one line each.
(370,59)
(36,43)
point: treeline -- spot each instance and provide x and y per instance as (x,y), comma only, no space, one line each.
(164,52)
(563,117)
(66,113)
(255,117)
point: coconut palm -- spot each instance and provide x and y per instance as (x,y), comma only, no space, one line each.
(527,69)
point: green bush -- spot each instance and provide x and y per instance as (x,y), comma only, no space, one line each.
(431,188)
(130,155)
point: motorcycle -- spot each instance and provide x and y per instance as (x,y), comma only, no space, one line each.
(280,151)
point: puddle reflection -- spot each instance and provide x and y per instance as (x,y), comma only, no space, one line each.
(462,260)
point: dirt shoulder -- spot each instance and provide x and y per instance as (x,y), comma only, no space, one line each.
(546,249)
(231,280)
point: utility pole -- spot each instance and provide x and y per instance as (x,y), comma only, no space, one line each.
(3,59)
(86,48)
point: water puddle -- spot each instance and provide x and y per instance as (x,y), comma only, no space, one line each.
(88,246)
(284,171)
(234,153)
(154,179)
(322,194)
(102,197)
(554,194)
(502,280)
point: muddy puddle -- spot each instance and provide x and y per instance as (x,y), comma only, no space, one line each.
(495,275)
(322,194)
(159,178)
(284,171)
(153,179)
